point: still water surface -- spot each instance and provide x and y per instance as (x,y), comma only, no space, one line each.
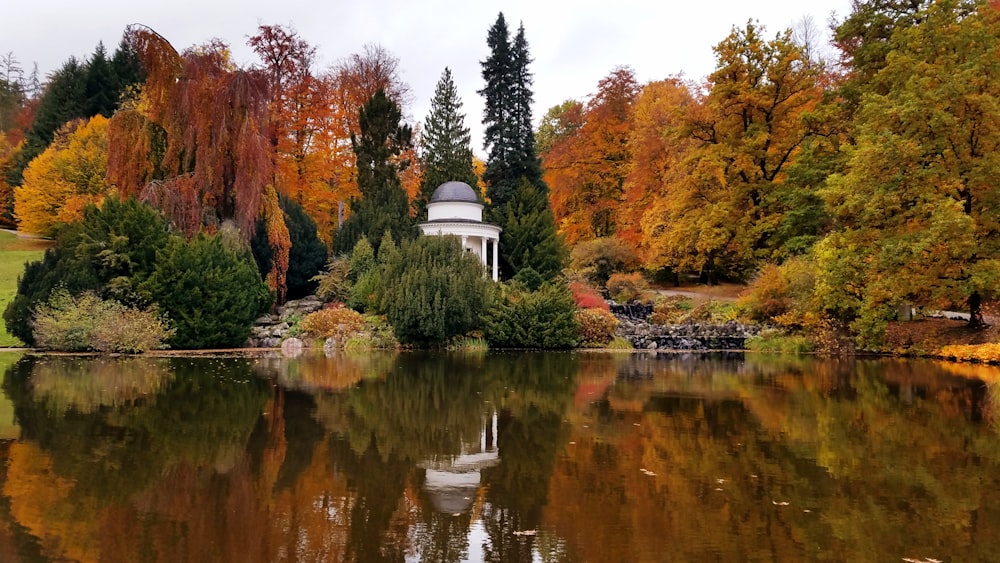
(504,457)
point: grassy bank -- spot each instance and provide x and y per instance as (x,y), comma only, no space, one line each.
(14,252)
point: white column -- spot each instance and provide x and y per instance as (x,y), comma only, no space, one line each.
(482,255)
(496,259)
(464,239)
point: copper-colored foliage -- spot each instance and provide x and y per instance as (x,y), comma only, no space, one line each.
(214,117)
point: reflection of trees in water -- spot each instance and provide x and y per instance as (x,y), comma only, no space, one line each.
(217,462)
(86,384)
(888,457)
(71,464)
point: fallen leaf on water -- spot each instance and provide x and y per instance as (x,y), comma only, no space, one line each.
(776,503)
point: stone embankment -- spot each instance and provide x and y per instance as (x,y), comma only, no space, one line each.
(635,327)
(269,330)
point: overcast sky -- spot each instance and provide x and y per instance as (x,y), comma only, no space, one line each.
(573,44)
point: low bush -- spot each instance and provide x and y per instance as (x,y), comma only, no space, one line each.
(778,343)
(376,335)
(469,345)
(339,322)
(671,309)
(334,284)
(620,344)
(781,294)
(87,322)
(532,319)
(625,288)
(586,297)
(597,327)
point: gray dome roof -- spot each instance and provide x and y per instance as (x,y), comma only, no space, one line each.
(454,191)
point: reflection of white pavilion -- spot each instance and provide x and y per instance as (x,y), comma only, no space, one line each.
(455,209)
(452,483)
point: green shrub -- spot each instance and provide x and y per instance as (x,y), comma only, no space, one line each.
(111,251)
(773,342)
(625,288)
(530,278)
(337,322)
(87,322)
(431,290)
(620,343)
(469,345)
(307,255)
(597,327)
(377,334)
(532,319)
(362,259)
(211,293)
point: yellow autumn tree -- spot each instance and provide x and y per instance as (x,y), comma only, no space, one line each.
(723,213)
(67,176)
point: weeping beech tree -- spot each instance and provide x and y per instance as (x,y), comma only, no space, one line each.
(196,143)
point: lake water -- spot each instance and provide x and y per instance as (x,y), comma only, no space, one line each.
(504,457)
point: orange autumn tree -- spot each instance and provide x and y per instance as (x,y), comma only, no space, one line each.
(586,170)
(657,150)
(196,143)
(302,130)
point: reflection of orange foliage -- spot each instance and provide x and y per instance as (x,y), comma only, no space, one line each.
(987,373)
(38,501)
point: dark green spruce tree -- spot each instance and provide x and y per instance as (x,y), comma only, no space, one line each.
(383,205)
(100,87)
(446,146)
(512,159)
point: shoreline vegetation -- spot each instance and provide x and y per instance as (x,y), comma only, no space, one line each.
(936,338)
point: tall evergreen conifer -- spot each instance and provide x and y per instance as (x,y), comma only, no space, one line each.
(445,145)
(383,205)
(100,88)
(512,159)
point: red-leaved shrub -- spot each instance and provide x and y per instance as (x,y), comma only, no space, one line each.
(587,297)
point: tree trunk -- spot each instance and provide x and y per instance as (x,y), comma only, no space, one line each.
(976,319)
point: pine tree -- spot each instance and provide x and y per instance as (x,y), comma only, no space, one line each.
(100,89)
(445,144)
(529,238)
(383,205)
(512,158)
(527,164)
(499,140)
(126,69)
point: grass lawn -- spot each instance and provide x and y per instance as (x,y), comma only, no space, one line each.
(14,252)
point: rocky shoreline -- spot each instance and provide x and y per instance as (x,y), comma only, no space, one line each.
(635,327)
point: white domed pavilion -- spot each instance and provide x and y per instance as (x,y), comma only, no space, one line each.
(455,209)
